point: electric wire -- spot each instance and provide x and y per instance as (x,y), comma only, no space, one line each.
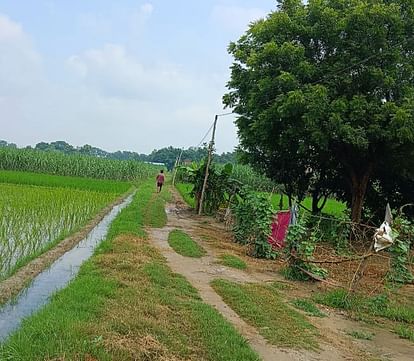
(206,135)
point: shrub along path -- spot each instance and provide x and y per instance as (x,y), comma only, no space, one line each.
(326,339)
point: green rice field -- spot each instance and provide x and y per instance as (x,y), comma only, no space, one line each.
(39,210)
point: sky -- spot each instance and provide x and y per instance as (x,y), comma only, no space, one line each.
(119,75)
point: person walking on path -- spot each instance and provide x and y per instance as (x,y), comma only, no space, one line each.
(160,180)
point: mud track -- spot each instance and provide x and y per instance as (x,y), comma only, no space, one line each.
(334,344)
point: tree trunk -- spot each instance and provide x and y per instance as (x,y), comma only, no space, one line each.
(281,201)
(359,184)
(316,198)
(197,201)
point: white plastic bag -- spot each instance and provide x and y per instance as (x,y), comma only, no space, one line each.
(383,237)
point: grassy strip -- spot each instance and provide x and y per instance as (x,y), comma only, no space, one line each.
(308,306)
(405,332)
(230,260)
(367,308)
(379,305)
(48,180)
(183,244)
(361,335)
(127,304)
(155,215)
(184,189)
(261,306)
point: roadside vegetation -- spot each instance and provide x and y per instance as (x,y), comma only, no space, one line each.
(184,245)
(127,304)
(185,190)
(333,207)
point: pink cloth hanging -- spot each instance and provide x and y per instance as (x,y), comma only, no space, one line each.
(279,229)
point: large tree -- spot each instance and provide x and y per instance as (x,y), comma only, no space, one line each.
(326,86)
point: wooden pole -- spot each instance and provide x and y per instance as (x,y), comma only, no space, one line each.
(209,155)
(177,162)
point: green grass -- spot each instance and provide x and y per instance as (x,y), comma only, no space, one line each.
(127,304)
(183,244)
(377,306)
(308,306)
(332,207)
(262,307)
(370,308)
(405,332)
(337,298)
(184,189)
(155,214)
(361,335)
(230,260)
(48,180)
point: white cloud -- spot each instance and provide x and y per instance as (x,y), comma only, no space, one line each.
(95,23)
(147,9)
(236,18)
(108,21)
(9,30)
(139,17)
(114,73)
(106,96)
(20,64)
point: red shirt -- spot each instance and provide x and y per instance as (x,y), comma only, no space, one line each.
(160,178)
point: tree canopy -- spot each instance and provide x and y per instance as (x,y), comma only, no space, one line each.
(325,95)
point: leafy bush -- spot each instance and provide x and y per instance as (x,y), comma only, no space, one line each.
(300,246)
(253,215)
(400,252)
(219,185)
(333,231)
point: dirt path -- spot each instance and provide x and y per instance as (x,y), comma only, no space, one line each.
(335,345)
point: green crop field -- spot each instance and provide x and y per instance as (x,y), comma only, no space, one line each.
(48,180)
(33,218)
(37,210)
(46,196)
(30,160)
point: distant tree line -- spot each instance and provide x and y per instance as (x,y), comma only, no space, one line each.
(167,155)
